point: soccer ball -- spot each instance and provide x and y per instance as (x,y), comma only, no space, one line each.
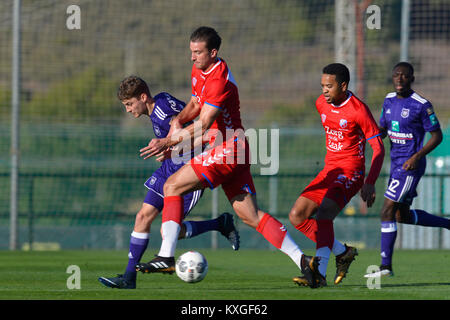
(191,267)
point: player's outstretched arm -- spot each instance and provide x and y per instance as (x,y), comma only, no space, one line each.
(432,143)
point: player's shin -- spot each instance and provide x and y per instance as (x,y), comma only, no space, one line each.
(309,229)
(325,239)
(171,225)
(423,218)
(388,236)
(276,233)
(138,244)
(194,228)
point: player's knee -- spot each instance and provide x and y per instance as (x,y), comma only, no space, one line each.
(297,216)
(170,188)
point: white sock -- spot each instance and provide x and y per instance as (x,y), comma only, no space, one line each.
(324,254)
(338,247)
(140,235)
(290,248)
(169,232)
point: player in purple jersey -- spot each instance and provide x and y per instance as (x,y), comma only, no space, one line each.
(405,118)
(135,96)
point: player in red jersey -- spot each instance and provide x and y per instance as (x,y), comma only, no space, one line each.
(348,124)
(215,100)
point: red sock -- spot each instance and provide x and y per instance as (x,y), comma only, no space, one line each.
(173,209)
(272,230)
(308,228)
(325,234)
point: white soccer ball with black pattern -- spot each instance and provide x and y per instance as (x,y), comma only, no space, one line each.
(191,267)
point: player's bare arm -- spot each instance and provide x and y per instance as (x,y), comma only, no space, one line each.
(433,142)
(189,112)
(208,115)
(368,192)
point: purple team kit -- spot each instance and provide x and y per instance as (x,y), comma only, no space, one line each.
(166,106)
(406,121)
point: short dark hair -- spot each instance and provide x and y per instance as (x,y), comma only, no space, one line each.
(132,87)
(406,65)
(208,35)
(339,70)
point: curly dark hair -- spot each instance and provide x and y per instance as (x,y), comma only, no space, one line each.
(339,70)
(132,87)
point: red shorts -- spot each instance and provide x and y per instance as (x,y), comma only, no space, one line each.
(228,165)
(337,184)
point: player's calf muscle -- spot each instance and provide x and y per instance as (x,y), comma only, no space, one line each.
(144,218)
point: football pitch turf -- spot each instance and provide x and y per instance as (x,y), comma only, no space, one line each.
(241,275)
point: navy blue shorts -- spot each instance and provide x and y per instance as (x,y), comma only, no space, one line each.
(155,185)
(402,186)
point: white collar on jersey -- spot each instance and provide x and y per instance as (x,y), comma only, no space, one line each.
(343,103)
(215,66)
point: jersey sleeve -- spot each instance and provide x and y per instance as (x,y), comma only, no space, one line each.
(429,120)
(217,93)
(373,136)
(377,160)
(367,123)
(193,81)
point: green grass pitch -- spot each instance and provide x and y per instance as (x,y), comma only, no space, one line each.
(242,275)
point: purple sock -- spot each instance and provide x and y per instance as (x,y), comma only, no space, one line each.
(194,228)
(138,244)
(423,218)
(388,236)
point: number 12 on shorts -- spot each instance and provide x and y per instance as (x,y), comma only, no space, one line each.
(393,185)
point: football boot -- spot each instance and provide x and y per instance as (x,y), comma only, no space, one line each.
(119,282)
(302,281)
(157,265)
(310,269)
(228,230)
(385,271)
(343,262)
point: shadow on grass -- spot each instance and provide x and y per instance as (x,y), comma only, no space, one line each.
(415,284)
(395,285)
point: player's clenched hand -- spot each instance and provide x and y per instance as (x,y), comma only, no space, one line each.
(410,164)
(368,194)
(155,147)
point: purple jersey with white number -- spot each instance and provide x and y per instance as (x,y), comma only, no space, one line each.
(406,121)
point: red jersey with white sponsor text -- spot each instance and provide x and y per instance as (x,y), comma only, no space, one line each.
(347,127)
(218,88)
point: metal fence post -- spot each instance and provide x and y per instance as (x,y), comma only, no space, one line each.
(441,209)
(15,105)
(404,34)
